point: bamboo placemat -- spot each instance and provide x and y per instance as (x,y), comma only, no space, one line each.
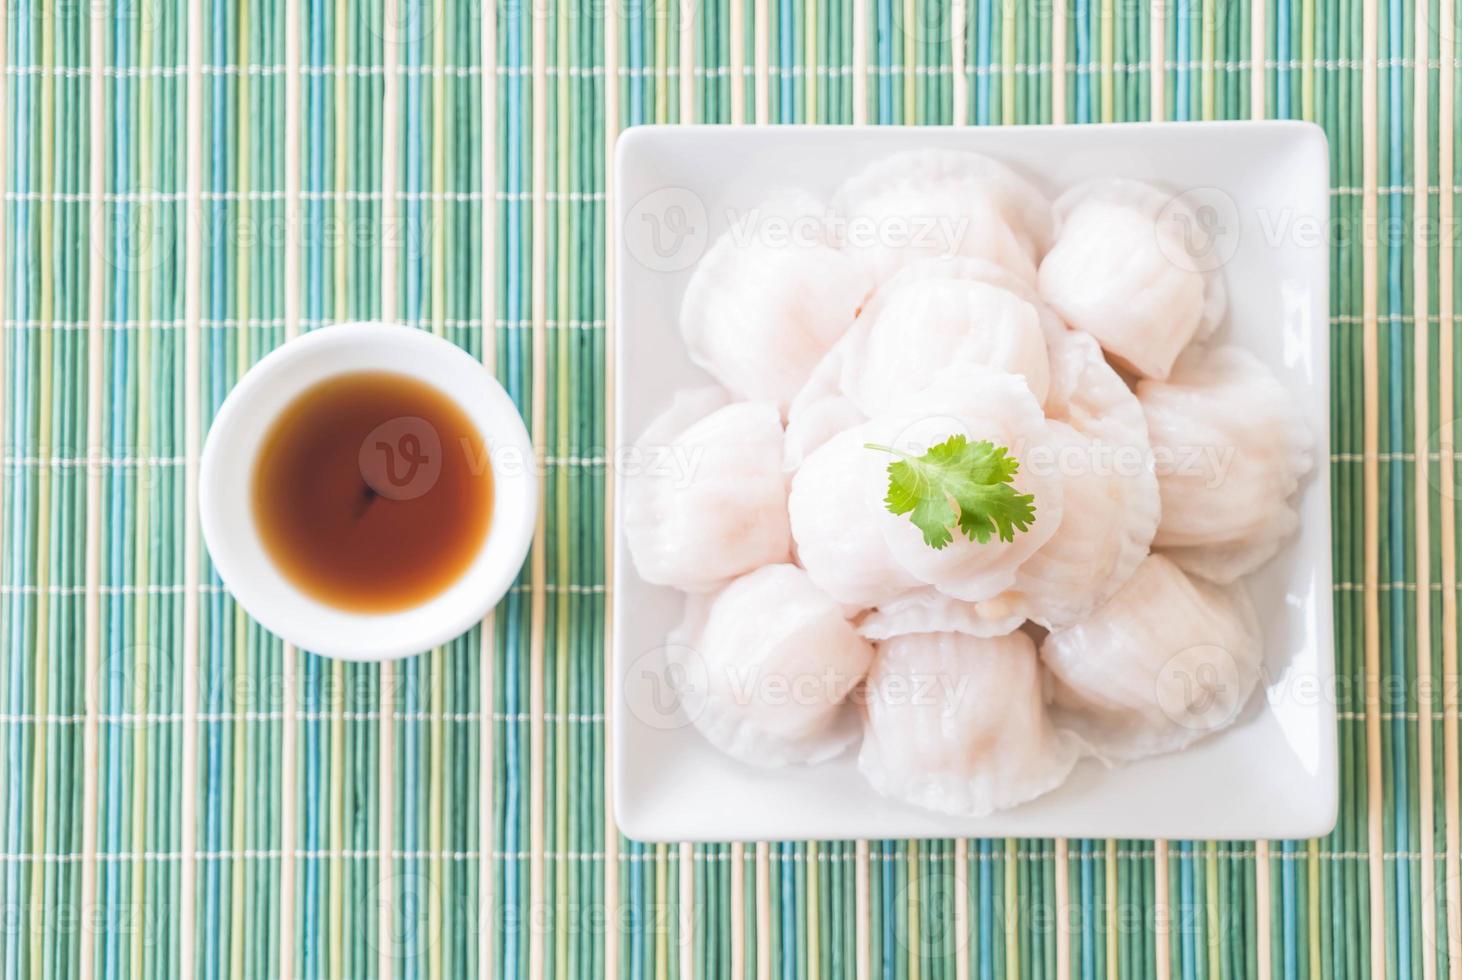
(187,185)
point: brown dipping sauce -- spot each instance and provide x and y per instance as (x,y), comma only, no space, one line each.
(373,491)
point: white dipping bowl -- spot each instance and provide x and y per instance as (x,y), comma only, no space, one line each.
(225,491)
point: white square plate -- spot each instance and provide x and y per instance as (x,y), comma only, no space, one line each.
(1273,773)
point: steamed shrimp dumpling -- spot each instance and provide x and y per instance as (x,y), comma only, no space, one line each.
(819,412)
(760,310)
(925,323)
(957,724)
(1121,270)
(1230,447)
(833,505)
(1108,518)
(928,203)
(707,500)
(981,406)
(765,667)
(1090,396)
(1168,660)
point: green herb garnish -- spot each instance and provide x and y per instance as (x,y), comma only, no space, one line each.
(958,483)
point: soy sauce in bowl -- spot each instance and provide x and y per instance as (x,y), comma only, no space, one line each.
(372,491)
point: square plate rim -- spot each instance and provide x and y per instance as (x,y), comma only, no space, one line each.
(1316,821)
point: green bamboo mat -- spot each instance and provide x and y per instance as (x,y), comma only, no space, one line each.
(185,185)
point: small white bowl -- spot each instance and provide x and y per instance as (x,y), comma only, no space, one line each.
(226,479)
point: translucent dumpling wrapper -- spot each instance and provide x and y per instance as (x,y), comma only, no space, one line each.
(928,203)
(836,497)
(1169,659)
(1230,447)
(1108,518)
(981,406)
(819,412)
(769,298)
(764,668)
(928,610)
(991,273)
(1090,396)
(1121,270)
(936,318)
(957,724)
(705,496)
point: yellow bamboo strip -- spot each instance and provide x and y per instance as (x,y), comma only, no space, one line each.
(685,912)
(662,925)
(1162,910)
(486,917)
(738,850)
(1058,62)
(1108,57)
(910,70)
(391,238)
(335,863)
(1371,482)
(290,682)
(1264,940)
(1447,41)
(813,910)
(1209,29)
(687,62)
(1258,75)
(738,911)
(914,916)
(862,937)
(96,46)
(1012,909)
(335,909)
(612,27)
(958,13)
(810,59)
(193,425)
(1157,41)
(540,435)
(44,447)
(1063,910)
(96,309)
(436,665)
(764,911)
(1421,307)
(1113,912)
(860,60)
(1258,45)
(239,798)
(961,909)
(342,220)
(145,474)
(737,61)
(763,81)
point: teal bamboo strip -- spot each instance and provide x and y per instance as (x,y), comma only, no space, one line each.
(509,781)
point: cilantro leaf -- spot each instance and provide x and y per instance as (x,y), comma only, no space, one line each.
(958,483)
